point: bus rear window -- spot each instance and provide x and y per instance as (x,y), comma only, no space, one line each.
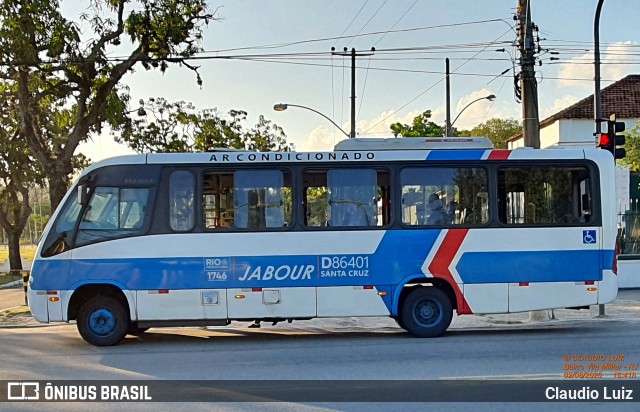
(544,195)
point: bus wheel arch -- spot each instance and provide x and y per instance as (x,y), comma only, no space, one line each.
(88,291)
(426,312)
(426,296)
(428,282)
(102,314)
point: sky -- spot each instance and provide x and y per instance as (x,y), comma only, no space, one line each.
(405,74)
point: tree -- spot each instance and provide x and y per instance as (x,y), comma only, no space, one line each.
(632,146)
(421,127)
(498,131)
(57,78)
(163,126)
(18,171)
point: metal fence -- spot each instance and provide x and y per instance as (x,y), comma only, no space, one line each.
(629,227)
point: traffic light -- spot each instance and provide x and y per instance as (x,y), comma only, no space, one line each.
(617,140)
(611,140)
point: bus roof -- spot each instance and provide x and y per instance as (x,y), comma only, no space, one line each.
(414,143)
(347,152)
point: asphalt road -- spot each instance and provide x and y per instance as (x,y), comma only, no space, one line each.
(344,349)
(314,351)
(317,350)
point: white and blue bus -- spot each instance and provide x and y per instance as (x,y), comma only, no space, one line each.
(412,229)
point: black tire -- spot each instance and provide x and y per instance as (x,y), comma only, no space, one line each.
(135,330)
(103,321)
(426,312)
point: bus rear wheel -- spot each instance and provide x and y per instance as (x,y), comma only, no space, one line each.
(426,312)
(102,321)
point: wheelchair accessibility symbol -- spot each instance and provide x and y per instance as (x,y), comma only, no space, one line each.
(588,236)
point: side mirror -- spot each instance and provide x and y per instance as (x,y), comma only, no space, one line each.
(83,194)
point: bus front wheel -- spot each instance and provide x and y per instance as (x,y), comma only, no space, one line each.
(426,312)
(102,321)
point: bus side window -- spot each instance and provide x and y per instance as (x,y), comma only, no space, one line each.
(444,196)
(261,199)
(315,201)
(218,193)
(544,195)
(181,202)
(346,197)
(585,200)
(352,197)
(111,213)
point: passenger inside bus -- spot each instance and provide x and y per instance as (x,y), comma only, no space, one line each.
(435,210)
(355,215)
(452,208)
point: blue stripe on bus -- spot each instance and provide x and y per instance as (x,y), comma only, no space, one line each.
(538,266)
(400,253)
(455,155)
(384,268)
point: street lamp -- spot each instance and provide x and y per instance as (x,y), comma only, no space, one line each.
(490,97)
(281,107)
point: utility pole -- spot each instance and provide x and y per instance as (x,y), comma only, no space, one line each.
(529,85)
(530,117)
(447,126)
(597,97)
(353,55)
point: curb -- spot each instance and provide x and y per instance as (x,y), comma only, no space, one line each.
(42,325)
(15,283)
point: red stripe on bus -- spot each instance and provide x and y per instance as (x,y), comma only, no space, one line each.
(439,267)
(499,154)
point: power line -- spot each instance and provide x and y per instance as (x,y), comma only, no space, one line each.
(204,56)
(352,20)
(388,69)
(333,100)
(397,21)
(368,21)
(432,86)
(364,87)
(293,43)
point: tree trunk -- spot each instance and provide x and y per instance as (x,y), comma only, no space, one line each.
(15,261)
(58,186)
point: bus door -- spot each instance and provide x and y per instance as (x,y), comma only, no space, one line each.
(178,295)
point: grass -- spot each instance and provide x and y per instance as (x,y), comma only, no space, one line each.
(4,279)
(7,314)
(26,252)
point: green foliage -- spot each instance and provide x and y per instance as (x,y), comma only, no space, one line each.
(632,146)
(497,130)
(421,127)
(18,171)
(61,81)
(162,126)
